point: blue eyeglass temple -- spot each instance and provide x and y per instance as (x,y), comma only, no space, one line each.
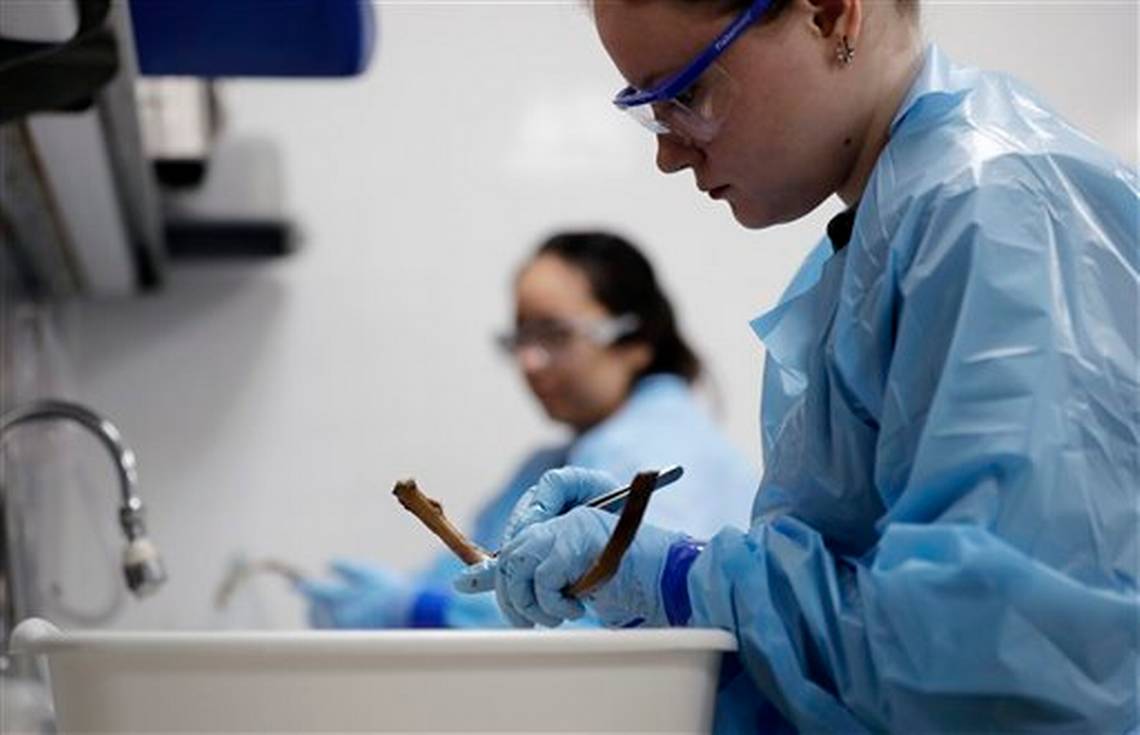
(674,85)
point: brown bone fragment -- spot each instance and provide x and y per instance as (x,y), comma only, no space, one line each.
(629,521)
(430,512)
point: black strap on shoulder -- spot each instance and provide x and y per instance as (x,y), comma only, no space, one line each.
(840,227)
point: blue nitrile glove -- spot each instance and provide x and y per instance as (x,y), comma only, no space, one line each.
(556,492)
(364,597)
(531,569)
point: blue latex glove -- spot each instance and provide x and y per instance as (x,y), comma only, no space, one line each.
(556,492)
(364,597)
(532,568)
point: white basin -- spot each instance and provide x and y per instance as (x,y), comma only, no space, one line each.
(353,681)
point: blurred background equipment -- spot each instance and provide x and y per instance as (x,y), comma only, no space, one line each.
(108,122)
(101,170)
(253,38)
(79,204)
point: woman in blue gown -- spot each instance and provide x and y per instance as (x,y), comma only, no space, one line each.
(946,533)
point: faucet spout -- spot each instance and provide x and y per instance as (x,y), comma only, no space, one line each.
(142,565)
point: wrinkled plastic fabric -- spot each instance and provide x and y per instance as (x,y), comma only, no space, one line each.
(945,537)
(660,424)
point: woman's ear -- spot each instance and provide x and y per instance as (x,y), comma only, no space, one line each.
(837,17)
(637,355)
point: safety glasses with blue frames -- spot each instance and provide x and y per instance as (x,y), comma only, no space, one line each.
(693,103)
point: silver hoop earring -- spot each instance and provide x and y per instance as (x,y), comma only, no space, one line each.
(844,51)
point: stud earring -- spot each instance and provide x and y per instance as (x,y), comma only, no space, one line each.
(844,51)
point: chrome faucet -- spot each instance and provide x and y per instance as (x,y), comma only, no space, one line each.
(142,565)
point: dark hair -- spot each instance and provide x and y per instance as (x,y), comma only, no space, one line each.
(622,280)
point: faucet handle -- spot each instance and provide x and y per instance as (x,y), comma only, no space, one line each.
(143,567)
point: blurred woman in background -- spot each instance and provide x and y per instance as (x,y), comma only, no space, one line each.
(598,345)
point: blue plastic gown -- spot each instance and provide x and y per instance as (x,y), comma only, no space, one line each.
(660,424)
(946,533)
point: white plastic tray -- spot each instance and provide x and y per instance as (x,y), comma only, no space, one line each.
(341,681)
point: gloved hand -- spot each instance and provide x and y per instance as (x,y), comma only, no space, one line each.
(365,597)
(557,491)
(532,568)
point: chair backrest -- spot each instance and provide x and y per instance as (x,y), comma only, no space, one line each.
(253,38)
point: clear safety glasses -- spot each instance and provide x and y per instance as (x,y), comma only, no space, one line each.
(550,339)
(693,103)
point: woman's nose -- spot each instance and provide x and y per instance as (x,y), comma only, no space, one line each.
(675,154)
(532,358)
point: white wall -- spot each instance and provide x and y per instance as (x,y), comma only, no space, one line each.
(273,405)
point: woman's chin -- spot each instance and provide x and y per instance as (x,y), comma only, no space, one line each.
(756,215)
(554,411)
(754,218)
(561,414)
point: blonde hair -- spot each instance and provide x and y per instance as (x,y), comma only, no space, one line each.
(907,8)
